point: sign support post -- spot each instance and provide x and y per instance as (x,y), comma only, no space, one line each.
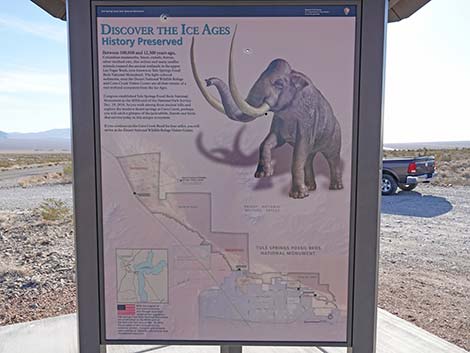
(366,174)
(231,349)
(369,167)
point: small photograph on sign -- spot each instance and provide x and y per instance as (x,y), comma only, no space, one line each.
(142,277)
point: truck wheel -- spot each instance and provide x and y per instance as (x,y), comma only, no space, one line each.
(407,187)
(389,185)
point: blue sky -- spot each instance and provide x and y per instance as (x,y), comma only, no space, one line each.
(427,92)
(34,93)
(427,81)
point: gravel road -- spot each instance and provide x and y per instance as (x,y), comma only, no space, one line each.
(14,174)
(14,197)
(9,178)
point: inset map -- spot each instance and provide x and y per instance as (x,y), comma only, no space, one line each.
(142,275)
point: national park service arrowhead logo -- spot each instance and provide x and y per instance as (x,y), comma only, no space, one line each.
(347,10)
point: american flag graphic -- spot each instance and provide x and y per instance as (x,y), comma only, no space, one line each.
(126,309)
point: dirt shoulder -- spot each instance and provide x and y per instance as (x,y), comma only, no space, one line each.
(425,260)
(37,275)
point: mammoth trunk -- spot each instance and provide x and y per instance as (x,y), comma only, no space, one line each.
(231,109)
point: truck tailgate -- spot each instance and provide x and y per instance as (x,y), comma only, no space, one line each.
(424,166)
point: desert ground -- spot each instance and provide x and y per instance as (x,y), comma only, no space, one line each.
(424,255)
(425,260)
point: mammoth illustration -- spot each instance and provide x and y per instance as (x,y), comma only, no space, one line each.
(303,118)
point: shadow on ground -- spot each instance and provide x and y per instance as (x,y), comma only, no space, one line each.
(412,203)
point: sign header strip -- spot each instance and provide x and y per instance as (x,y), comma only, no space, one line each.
(221,11)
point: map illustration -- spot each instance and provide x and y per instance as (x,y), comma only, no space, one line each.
(142,275)
(236,294)
(269,298)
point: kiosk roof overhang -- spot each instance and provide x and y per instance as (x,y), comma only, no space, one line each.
(399,9)
(55,8)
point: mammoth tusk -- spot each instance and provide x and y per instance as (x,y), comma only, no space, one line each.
(241,103)
(210,99)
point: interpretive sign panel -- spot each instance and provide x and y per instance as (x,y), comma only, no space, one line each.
(226,151)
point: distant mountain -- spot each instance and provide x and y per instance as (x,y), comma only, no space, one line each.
(428,145)
(49,134)
(55,140)
(60,140)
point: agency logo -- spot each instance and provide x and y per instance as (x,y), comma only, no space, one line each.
(347,10)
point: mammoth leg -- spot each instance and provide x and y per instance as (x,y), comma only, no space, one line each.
(332,155)
(299,161)
(265,167)
(334,163)
(309,173)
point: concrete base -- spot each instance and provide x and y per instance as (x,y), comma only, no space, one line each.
(59,335)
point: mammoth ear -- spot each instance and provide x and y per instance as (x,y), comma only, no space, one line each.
(298,80)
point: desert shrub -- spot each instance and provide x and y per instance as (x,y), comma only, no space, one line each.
(67,170)
(54,210)
(442,174)
(9,269)
(446,157)
(32,180)
(10,160)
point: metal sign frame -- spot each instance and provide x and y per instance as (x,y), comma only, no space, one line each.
(366,170)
